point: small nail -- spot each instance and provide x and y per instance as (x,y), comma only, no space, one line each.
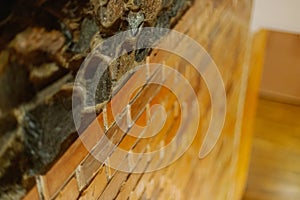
(105,121)
(148,68)
(129,120)
(108,171)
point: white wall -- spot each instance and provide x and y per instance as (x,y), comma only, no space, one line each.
(282,15)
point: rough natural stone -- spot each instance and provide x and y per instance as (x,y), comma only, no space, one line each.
(41,42)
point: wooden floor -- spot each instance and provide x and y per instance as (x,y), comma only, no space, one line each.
(275,163)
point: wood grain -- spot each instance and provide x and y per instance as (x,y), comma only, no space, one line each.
(257,58)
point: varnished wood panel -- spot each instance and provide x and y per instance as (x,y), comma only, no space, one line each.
(251,98)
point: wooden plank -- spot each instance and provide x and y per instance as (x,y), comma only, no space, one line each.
(61,172)
(70,191)
(33,194)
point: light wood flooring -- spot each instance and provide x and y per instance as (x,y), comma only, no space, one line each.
(275,161)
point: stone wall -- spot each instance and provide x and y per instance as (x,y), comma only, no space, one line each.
(42,45)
